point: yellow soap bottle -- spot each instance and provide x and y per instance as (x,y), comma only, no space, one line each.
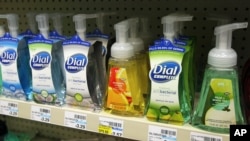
(123,96)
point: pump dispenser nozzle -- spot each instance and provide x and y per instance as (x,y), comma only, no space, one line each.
(32,21)
(121,48)
(223,55)
(169,27)
(12,20)
(43,24)
(57,21)
(100,19)
(133,35)
(80,23)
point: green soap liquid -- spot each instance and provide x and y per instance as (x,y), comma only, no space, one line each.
(219,103)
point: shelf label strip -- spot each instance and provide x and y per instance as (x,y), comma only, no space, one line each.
(9,108)
(203,137)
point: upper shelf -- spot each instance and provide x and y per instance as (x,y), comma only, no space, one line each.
(127,127)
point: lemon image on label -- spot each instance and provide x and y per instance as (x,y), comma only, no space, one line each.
(78,97)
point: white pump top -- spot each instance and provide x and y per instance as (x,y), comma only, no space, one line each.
(100,19)
(13,25)
(220,19)
(2,31)
(122,48)
(178,25)
(43,24)
(57,21)
(134,35)
(169,24)
(223,55)
(32,21)
(80,23)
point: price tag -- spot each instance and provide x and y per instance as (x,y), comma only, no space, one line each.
(9,108)
(203,137)
(40,114)
(110,126)
(156,133)
(75,120)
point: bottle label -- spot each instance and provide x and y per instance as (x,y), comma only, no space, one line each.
(119,94)
(40,63)
(9,66)
(221,112)
(75,66)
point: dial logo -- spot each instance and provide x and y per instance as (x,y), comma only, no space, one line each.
(165,72)
(75,63)
(40,60)
(8,56)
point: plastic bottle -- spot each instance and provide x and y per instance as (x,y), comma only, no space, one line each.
(141,57)
(47,76)
(83,80)
(219,104)
(123,96)
(15,65)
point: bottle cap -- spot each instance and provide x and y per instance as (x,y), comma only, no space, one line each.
(80,23)
(122,48)
(13,25)
(169,27)
(43,24)
(222,55)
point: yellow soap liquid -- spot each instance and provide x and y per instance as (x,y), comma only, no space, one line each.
(123,95)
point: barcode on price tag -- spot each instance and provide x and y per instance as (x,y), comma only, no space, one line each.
(110,126)
(75,120)
(203,137)
(156,133)
(9,108)
(42,114)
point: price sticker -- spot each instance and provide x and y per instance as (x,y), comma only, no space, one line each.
(203,137)
(9,108)
(156,133)
(110,126)
(40,114)
(75,120)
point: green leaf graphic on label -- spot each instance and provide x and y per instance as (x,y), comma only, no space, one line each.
(78,97)
(222,89)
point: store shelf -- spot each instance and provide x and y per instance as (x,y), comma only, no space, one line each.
(126,127)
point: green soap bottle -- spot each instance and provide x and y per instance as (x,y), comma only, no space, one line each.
(219,104)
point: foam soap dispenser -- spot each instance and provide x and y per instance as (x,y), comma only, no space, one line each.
(219,104)
(16,74)
(84,87)
(123,96)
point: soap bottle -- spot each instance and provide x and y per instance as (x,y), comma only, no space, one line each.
(169,98)
(123,96)
(219,103)
(141,57)
(82,77)
(16,74)
(47,77)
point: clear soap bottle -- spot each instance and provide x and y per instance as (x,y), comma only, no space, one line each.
(123,96)
(219,103)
